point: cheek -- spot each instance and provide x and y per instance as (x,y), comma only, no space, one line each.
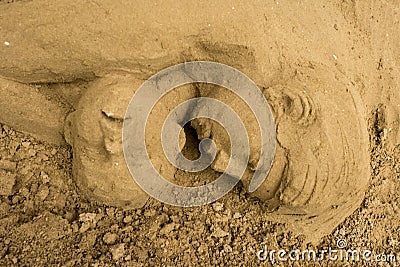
(112,137)
(86,128)
(105,177)
(93,161)
(327,158)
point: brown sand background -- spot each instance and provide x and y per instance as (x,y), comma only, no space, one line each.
(44,221)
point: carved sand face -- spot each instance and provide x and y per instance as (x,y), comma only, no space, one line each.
(321,167)
(320,171)
(321,164)
(94,131)
(321,161)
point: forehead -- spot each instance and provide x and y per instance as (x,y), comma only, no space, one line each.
(110,95)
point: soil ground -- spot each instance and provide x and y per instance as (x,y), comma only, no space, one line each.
(44,221)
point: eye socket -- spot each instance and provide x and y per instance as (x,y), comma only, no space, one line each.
(288,104)
(111,116)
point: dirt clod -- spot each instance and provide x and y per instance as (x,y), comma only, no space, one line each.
(110,238)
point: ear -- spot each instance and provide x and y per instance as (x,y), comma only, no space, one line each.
(292,104)
(69,126)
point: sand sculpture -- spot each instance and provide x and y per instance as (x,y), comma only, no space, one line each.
(76,72)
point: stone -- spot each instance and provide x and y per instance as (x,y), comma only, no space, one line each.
(128,219)
(118,251)
(8,165)
(43,192)
(110,238)
(217,206)
(7,182)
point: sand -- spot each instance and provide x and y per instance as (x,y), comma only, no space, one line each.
(53,54)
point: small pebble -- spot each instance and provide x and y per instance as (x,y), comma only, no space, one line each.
(26,144)
(118,251)
(43,192)
(7,181)
(110,238)
(162,219)
(128,258)
(149,213)
(217,206)
(16,199)
(45,177)
(69,216)
(7,165)
(227,248)
(237,215)
(110,212)
(87,217)
(31,152)
(168,228)
(219,233)
(128,219)
(85,226)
